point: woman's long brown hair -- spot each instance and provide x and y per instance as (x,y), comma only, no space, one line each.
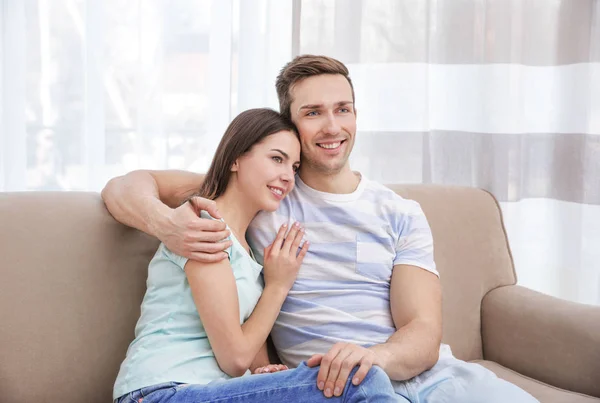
(247,129)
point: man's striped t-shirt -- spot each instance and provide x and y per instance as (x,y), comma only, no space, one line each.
(342,293)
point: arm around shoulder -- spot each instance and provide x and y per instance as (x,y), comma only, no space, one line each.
(142,199)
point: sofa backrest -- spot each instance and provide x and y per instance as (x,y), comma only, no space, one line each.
(73,280)
(72,283)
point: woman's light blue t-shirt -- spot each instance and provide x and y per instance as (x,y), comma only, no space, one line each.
(170,343)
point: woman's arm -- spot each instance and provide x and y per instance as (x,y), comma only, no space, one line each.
(215,294)
(261,359)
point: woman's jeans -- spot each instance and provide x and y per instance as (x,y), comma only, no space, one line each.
(290,386)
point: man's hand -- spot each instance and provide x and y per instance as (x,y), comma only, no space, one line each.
(188,235)
(337,364)
(269,369)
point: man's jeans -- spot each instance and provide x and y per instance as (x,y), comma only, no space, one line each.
(290,386)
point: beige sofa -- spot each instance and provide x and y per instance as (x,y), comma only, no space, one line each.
(73,279)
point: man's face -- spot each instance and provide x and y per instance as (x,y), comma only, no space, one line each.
(323,111)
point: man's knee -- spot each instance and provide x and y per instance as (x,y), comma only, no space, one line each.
(377,387)
(498,390)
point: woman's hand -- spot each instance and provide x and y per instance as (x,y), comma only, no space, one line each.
(282,259)
(269,369)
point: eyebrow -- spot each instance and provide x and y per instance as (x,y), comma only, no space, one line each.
(284,154)
(318,106)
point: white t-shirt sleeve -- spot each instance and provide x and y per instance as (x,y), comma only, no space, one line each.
(415,242)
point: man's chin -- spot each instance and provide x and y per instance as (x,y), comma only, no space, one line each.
(331,167)
(318,167)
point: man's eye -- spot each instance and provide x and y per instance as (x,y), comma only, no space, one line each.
(312,113)
(344,110)
(278,160)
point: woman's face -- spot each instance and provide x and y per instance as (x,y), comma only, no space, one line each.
(266,173)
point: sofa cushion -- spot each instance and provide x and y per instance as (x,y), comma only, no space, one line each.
(543,392)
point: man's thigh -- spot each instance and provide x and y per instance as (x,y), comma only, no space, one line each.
(291,386)
(458,381)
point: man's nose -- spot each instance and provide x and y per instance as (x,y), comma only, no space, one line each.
(331,125)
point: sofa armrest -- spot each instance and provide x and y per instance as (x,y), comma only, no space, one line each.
(545,338)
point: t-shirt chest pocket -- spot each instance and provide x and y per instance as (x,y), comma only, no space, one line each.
(374,256)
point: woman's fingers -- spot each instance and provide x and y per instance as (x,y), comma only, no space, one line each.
(296,242)
(268,369)
(303,251)
(291,236)
(276,246)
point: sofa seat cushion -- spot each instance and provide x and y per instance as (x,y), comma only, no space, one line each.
(543,392)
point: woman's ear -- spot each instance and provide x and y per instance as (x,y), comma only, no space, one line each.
(235,166)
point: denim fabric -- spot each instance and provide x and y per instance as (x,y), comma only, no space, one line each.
(297,385)
(455,381)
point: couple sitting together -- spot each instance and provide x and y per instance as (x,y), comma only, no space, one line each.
(281,237)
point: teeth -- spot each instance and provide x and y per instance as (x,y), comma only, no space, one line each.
(330,145)
(276,191)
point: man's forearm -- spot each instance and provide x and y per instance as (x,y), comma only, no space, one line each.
(133,200)
(411,350)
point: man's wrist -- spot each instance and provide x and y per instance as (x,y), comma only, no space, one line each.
(382,356)
(159,219)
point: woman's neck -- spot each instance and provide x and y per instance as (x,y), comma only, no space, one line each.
(236,211)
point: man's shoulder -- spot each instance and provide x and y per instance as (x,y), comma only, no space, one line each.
(383,195)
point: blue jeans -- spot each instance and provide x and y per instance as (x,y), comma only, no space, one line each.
(290,386)
(453,381)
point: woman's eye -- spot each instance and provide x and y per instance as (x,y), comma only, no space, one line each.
(278,160)
(296,167)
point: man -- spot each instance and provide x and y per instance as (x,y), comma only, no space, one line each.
(368,292)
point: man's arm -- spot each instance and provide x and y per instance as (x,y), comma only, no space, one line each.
(415,302)
(151,201)
(416,305)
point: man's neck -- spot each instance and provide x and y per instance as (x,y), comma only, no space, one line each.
(342,182)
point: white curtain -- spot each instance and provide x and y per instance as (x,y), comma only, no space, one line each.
(498,94)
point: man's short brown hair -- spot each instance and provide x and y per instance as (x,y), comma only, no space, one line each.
(303,67)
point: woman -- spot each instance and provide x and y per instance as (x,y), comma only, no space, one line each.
(202,323)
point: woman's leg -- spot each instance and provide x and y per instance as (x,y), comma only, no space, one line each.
(292,386)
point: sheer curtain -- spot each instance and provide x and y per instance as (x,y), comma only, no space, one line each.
(95,88)
(498,94)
